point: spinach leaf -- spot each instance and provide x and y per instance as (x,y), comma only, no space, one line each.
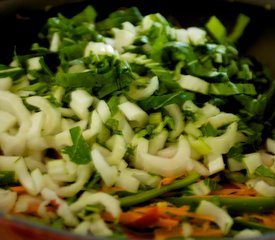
(156,102)
(79,152)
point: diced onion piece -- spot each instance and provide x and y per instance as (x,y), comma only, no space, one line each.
(25,177)
(108,173)
(215,163)
(7,200)
(157,142)
(182,35)
(96,126)
(52,115)
(122,38)
(38,179)
(81,100)
(134,114)
(252,161)
(63,210)
(58,171)
(222,119)
(248,234)
(270,145)
(175,112)
(35,141)
(5,83)
(110,203)
(82,228)
(194,84)
(98,48)
(24,201)
(7,163)
(222,218)
(141,93)
(235,165)
(200,188)
(103,111)
(124,127)
(196,35)
(55,42)
(34,64)
(7,121)
(167,167)
(126,181)
(222,143)
(264,188)
(83,175)
(14,144)
(99,228)
(118,146)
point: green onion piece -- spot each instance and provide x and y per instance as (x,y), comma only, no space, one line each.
(233,204)
(253,225)
(229,88)
(216,28)
(241,23)
(150,194)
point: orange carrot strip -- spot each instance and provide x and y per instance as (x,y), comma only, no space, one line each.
(167,181)
(167,222)
(33,208)
(18,189)
(235,191)
(161,234)
(211,232)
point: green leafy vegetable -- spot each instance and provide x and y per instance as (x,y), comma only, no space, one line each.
(7,178)
(79,152)
(156,102)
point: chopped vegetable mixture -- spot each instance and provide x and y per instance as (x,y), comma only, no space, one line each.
(132,127)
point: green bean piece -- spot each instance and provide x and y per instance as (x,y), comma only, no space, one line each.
(233,204)
(253,225)
(150,194)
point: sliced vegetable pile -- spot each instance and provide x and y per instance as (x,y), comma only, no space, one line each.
(133,127)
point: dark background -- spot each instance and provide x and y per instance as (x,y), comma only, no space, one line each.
(21,20)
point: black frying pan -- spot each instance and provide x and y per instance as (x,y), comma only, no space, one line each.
(20,21)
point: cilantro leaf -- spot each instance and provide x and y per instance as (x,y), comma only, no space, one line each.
(264,172)
(79,152)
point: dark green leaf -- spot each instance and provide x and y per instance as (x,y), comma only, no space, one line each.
(13,72)
(208,130)
(229,88)
(79,152)
(117,18)
(87,15)
(156,102)
(216,28)
(264,171)
(241,23)
(7,178)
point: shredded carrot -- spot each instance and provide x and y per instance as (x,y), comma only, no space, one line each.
(265,219)
(33,208)
(243,191)
(129,217)
(211,232)
(167,181)
(18,189)
(178,211)
(163,233)
(167,222)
